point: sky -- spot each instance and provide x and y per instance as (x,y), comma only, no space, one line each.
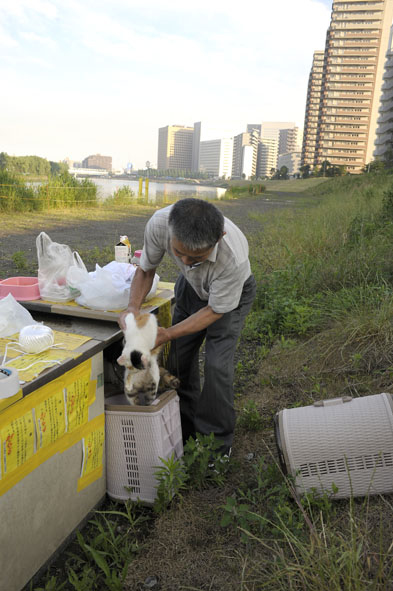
(82,77)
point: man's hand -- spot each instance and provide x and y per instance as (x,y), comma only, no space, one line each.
(140,287)
(162,336)
(122,318)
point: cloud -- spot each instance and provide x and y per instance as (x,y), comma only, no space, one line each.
(120,70)
(258,31)
(6,40)
(30,36)
(22,10)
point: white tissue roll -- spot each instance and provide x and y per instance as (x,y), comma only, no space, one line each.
(9,382)
(36,338)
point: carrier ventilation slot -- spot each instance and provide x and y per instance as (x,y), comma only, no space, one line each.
(366,462)
(134,483)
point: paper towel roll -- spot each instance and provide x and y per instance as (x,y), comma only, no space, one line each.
(9,382)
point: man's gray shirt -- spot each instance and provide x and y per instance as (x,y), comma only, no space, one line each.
(219,279)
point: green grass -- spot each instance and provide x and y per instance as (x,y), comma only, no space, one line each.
(294,185)
(304,259)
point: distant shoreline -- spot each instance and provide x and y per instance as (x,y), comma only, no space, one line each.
(205,182)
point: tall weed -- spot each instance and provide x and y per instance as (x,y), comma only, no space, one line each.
(66,191)
(307,259)
(58,192)
(15,195)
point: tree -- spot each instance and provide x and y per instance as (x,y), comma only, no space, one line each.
(283,173)
(3,160)
(374,166)
(316,171)
(57,168)
(305,170)
(324,168)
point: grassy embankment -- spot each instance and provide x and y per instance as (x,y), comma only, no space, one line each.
(324,321)
(322,326)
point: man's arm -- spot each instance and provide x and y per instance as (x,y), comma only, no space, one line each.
(194,323)
(140,287)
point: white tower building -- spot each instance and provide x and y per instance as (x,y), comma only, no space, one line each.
(215,157)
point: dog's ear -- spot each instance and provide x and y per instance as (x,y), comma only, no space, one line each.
(122,360)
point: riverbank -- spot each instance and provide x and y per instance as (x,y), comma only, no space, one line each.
(164,179)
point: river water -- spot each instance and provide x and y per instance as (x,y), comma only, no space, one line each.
(159,192)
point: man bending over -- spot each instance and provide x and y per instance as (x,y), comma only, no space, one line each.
(214,293)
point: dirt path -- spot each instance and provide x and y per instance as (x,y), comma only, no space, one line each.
(83,234)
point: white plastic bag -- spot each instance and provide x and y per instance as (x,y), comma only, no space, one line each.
(106,288)
(54,260)
(13,316)
(76,276)
(100,292)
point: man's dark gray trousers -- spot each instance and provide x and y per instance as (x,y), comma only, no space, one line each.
(210,409)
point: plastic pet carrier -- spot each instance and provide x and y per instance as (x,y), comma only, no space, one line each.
(136,438)
(344,442)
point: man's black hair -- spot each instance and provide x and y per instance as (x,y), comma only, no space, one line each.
(196,223)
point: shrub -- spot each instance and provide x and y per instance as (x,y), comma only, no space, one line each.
(66,191)
(15,195)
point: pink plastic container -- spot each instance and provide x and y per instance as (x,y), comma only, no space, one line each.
(22,288)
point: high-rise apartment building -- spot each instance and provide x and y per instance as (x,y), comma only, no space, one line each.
(215,157)
(175,147)
(267,156)
(196,141)
(98,161)
(290,140)
(291,160)
(313,106)
(278,137)
(285,132)
(248,162)
(356,45)
(384,133)
(178,147)
(240,142)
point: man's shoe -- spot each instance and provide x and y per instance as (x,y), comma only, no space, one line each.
(222,457)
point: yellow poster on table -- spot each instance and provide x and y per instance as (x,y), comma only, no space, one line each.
(93,449)
(69,340)
(93,444)
(30,366)
(17,441)
(50,419)
(10,344)
(78,402)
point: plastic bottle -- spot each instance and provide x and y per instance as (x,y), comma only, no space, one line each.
(136,259)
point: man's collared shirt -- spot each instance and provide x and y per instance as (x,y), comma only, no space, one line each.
(219,279)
